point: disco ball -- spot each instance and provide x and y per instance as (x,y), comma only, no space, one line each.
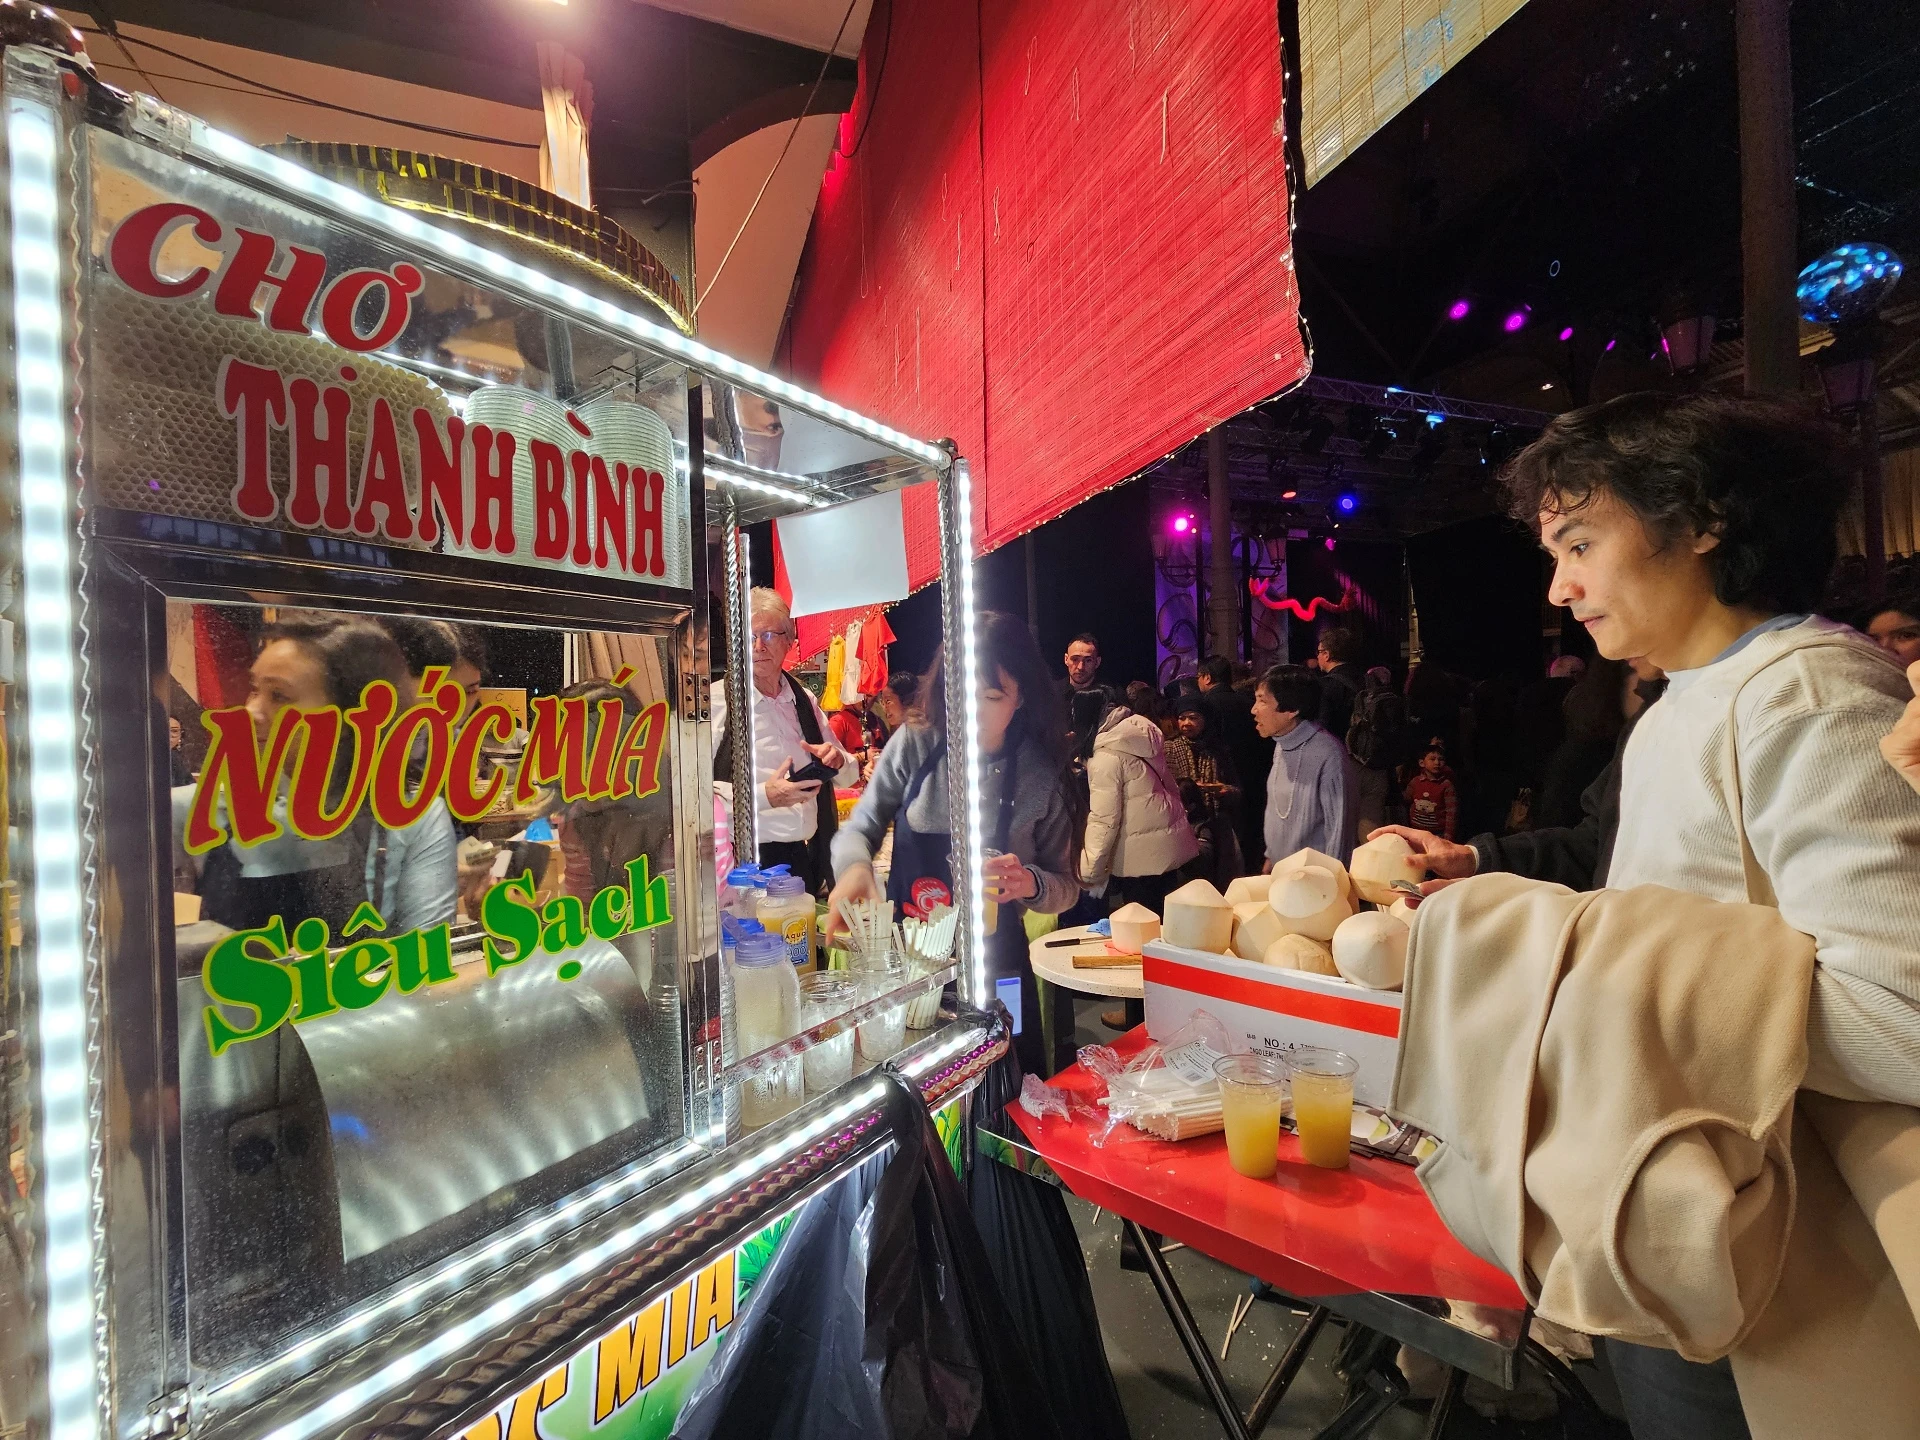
(1849,282)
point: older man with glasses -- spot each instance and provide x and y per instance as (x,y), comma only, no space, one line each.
(794,820)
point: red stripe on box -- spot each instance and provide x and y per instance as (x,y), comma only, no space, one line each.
(1280,999)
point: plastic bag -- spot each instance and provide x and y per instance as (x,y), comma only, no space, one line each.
(1168,1091)
(1036,1256)
(879,1316)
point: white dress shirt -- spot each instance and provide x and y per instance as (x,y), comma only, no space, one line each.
(776,740)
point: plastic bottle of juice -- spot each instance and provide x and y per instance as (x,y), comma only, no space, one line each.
(766,1007)
(788,912)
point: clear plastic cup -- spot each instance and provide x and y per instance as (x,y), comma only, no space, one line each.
(884,1035)
(1251,1090)
(990,910)
(1322,1083)
(823,996)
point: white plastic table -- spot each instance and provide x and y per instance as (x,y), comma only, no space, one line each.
(1055,966)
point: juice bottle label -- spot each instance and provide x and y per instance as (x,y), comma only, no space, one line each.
(794,932)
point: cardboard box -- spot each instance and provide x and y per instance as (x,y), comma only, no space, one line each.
(1270,1009)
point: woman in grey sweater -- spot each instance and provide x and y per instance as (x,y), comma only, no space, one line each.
(1023,810)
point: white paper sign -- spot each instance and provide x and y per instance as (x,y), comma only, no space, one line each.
(846,555)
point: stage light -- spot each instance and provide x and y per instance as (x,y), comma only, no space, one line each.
(1516,321)
(1347,503)
(1182,524)
(1460,309)
(1849,282)
(1289,494)
(1329,542)
(1566,334)
(1611,344)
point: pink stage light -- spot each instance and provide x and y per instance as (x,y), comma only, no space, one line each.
(1460,309)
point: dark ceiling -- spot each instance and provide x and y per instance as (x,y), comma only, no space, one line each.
(662,82)
(1584,161)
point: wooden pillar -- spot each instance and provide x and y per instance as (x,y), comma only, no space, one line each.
(1223,604)
(1768,214)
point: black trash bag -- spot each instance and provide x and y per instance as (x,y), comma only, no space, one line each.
(1036,1257)
(878,1317)
(792,1361)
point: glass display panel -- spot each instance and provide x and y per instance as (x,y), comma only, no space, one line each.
(427,931)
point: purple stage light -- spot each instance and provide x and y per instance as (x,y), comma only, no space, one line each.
(1516,320)
(1566,334)
(1460,309)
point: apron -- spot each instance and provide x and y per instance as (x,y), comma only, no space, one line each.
(921,877)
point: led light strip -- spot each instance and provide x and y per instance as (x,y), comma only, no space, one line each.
(497,1317)
(286,175)
(74,1377)
(727,474)
(961,480)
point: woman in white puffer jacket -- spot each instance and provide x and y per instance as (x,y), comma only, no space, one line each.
(1137,832)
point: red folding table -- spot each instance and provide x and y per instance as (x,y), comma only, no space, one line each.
(1364,1243)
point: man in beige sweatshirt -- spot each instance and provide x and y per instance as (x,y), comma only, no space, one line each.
(1696,532)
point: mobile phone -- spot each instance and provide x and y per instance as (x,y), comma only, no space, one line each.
(813,770)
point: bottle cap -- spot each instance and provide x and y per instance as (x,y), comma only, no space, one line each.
(784,886)
(755,951)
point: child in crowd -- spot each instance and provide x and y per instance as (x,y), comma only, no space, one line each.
(1432,802)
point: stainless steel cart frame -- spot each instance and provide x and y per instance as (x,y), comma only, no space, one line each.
(103,1225)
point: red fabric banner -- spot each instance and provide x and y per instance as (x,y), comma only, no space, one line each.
(1094,277)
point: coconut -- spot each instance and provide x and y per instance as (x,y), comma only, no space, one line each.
(1308,901)
(1371,950)
(1199,918)
(1403,911)
(1380,862)
(1310,856)
(1133,926)
(1248,888)
(1255,927)
(1298,952)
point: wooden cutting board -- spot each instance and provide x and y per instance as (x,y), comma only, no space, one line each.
(1103,957)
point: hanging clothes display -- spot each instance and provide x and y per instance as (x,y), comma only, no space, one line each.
(850,691)
(836,658)
(875,636)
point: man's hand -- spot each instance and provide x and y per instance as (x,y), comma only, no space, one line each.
(1901,745)
(859,883)
(782,791)
(828,754)
(1009,879)
(1444,858)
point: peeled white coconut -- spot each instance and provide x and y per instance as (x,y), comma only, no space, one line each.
(1308,902)
(1310,856)
(1255,928)
(1133,926)
(1247,889)
(1403,911)
(1298,952)
(1198,917)
(1378,863)
(1371,950)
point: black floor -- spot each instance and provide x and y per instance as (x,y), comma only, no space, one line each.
(1163,1397)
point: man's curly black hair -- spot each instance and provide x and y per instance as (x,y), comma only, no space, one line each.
(1768,476)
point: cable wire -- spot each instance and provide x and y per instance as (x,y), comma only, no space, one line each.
(873,92)
(792,134)
(262,87)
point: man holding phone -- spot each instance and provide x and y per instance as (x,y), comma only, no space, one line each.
(794,757)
